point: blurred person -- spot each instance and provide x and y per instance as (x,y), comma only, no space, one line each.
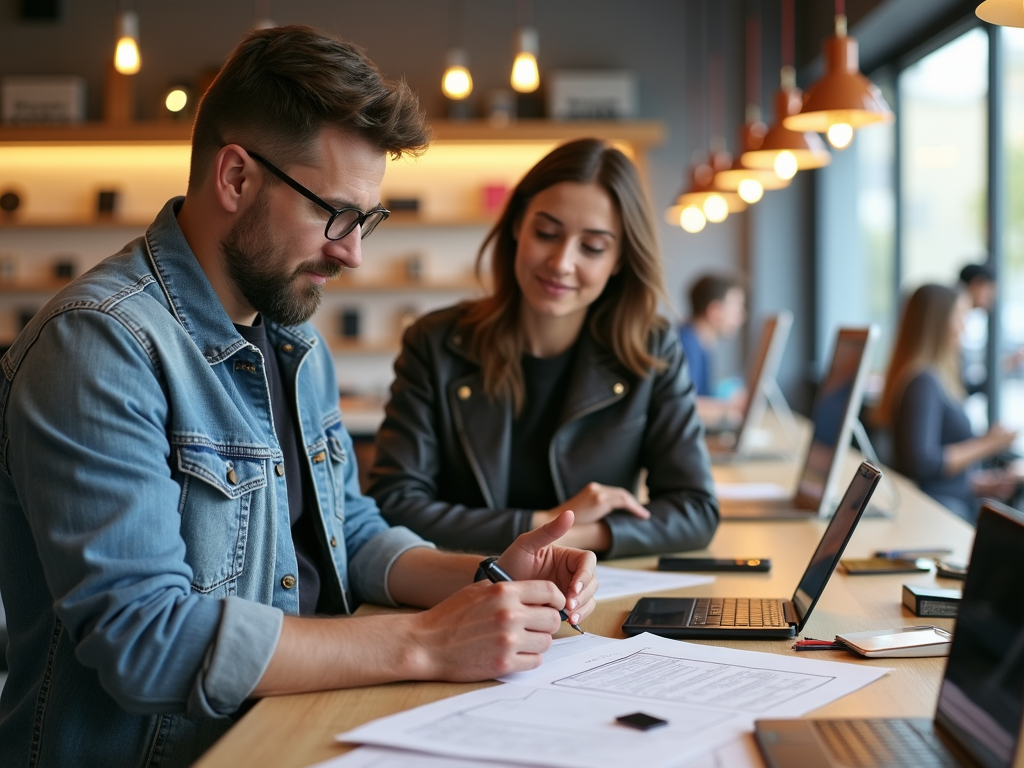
(557,389)
(922,403)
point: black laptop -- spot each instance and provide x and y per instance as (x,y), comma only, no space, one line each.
(733,618)
(977,721)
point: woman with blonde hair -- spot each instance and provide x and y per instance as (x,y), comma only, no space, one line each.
(923,404)
(557,389)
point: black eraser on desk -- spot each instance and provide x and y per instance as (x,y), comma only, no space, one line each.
(640,721)
(931,601)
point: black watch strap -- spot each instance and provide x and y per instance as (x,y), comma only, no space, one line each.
(481,572)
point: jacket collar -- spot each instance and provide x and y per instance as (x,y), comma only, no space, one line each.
(189,293)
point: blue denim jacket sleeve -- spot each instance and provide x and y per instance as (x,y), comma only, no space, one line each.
(88,456)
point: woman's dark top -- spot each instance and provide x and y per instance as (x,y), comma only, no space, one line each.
(530,484)
(444,452)
(926,420)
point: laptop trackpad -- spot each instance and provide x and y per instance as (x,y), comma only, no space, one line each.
(662,612)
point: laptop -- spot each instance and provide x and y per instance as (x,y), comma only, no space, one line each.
(743,618)
(835,409)
(977,720)
(741,441)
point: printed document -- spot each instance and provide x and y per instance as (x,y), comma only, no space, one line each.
(616,582)
(565,715)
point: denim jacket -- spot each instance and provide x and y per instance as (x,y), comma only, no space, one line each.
(146,559)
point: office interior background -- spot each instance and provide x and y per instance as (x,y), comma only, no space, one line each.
(905,203)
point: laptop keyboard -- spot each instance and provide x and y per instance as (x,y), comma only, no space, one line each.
(738,612)
(883,743)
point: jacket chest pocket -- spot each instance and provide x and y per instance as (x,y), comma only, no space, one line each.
(329,459)
(218,492)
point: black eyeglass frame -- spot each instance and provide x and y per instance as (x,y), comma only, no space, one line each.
(359,221)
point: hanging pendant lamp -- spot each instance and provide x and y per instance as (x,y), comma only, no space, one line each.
(843,100)
(1005,13)
(699,192)
(741,178)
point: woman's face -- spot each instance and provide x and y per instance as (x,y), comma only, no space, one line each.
(568,244)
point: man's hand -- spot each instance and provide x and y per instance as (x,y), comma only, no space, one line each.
(534,556)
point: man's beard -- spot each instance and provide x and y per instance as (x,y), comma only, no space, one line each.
(252,260)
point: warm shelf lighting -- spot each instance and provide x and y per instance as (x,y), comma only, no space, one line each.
(525,75)
(843,99)
(1005,13)
(457,83)
(176,100)
(126,57)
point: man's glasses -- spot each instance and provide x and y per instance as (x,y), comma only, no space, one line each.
(343,220)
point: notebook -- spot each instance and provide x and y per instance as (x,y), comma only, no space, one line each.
(725,617)
(977,720)
(835,409)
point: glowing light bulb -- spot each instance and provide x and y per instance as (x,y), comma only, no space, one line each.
(716,209)
(525,76)
(176,100)
(750,191)
(126,56)
(457,83)
(840,135)
(785,164)
(692,219)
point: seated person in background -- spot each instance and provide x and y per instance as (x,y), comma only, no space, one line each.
(556,390)
(718,311)
(979,283)
(178,495)
(922,402)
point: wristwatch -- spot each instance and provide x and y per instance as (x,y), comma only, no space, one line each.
(481,572)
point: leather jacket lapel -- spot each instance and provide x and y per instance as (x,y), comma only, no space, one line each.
(597,381)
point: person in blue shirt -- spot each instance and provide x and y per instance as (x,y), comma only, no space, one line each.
(717,312)
(181,526)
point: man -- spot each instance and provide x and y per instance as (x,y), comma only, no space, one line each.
(718,311)
(979,282)
(178,495)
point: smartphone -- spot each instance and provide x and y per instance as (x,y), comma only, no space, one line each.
(742,564)
(910,554)
(856,567)
(949,570)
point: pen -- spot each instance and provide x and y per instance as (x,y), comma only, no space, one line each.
(496,574)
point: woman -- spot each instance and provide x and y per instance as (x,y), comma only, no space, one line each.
(556,390)
(923,404)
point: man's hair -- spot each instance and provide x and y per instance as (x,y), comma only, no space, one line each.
(280,86)
(711,288)
(973,272)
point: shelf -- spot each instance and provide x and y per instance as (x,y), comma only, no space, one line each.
(349,347)
(639,133)
(38,285)
(76,224)
(402,285)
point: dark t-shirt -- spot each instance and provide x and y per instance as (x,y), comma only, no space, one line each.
(530,483)
(296,475)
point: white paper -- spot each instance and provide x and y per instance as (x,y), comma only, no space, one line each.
(616,582)
(709,695)
(751,491)
(561,649)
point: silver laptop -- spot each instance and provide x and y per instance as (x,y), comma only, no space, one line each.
(741,442)
(978,717)
(755,617)
(835,408)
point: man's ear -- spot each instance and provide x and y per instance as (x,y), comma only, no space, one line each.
(235,179)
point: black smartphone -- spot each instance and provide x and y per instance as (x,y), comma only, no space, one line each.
(741,564)
(855,567)
(949,570)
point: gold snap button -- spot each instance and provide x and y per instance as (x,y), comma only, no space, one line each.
(287,347)
(288,581)
(279,470)
(319,458)
(334,541)
(232,477)
(619,388)
(464,393)
(457,339)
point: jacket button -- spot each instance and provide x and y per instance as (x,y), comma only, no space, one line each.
(288,581)
(457,339)
(232,477)
(279,470)
(287,348)
(464,393)
(618,388)
(334,541)
(319,458)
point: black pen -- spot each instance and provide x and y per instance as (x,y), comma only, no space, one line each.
(495,574)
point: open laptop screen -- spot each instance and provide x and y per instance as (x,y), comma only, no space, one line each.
(980,702)
(836,404)
(765,366)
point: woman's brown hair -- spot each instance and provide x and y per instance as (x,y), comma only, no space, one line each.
(924,340)
(622,318)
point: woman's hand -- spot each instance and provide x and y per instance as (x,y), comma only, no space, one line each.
(994,483)
(594,503)
(999,438)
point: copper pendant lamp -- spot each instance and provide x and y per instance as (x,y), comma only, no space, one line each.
(1005,13)
(843,100)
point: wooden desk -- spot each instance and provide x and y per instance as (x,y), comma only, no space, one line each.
(298,730)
